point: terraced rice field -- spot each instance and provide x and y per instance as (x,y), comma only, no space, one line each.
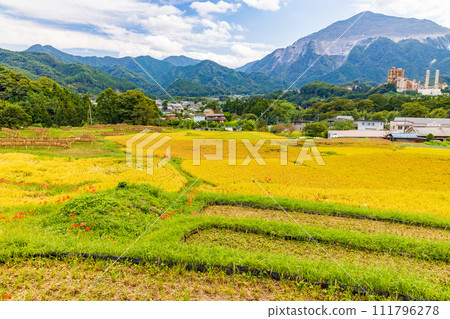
(361,225)
(47,280)
(370,221)
(373,174)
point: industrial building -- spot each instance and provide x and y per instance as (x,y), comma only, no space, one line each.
(397,76)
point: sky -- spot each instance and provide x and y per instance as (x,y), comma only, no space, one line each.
(229,32)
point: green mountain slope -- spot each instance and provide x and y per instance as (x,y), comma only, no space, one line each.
(77,77)
(145,71)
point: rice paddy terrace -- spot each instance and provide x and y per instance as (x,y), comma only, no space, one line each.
(186,234)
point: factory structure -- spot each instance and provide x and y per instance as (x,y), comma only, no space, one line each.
(397,76)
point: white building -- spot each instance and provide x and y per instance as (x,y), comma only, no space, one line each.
(370,125)
(432,92)
(199,117)
(402,124)
(357,134)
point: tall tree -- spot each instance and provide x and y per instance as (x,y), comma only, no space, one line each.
(106,110)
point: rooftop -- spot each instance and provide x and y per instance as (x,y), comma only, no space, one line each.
(422,120)
(357,134)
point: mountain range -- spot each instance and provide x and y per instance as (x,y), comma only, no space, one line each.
(363,47)
(195,75)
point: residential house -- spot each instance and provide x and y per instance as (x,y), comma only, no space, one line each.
(345,118)
(340,118)
(370,125)
(300,124)
(208,111)
(402,124)
(220,118)
(199,117)
(440,133)
(170,117)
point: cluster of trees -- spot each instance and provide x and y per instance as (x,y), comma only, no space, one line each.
(45,103)
(131,107)
(378,107)
(271,110)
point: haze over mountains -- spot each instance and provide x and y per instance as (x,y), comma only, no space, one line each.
(373,44)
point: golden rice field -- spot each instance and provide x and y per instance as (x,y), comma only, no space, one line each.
(373,174)
(31,179)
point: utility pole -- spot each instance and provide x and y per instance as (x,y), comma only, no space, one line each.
(90,113)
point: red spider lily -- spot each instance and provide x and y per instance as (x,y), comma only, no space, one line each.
(6,297)
(88,228)
(164,216)
(195,213)
(3,217)
(108,238)
(179,210)
(83,224)
(75,225)
(73,214)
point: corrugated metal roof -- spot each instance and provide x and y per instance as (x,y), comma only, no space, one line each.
(435,130)
(357,134)
(404,135)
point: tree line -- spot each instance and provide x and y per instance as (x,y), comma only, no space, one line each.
(45,103)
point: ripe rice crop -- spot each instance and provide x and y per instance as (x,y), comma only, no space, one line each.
(104,173)
(369,174)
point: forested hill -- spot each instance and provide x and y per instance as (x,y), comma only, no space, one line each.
(44,102)
(24,102)
(79,78)
(184,78)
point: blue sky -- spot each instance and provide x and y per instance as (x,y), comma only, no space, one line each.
(230,32)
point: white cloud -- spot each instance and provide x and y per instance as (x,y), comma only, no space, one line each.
(435,10)
(270,5)
(205,8)
(137,27)
(246,52)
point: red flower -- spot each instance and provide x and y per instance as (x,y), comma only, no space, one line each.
(6,297)
(75,226)
(88,228)
(83,224)
(73,214)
